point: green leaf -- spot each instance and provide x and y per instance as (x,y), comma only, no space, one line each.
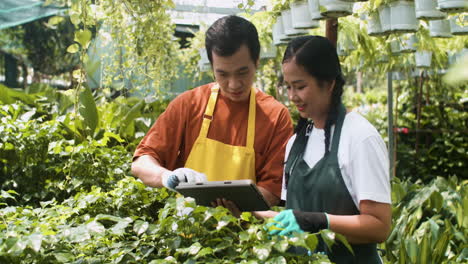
(140,227)
(35,242)
(88,110)
(83,37)
(311,241)
(73,48)
(262,251)
(55,20)
(328,237)
(63,257)
(277,260)
(281,245)
(204,251)
(95,227)
(343,240)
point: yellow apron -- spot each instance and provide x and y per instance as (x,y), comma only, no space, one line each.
(221,161)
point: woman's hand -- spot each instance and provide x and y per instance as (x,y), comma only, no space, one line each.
(230,205)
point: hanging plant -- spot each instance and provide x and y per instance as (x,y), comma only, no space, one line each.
(288,27)
(301,18)
(335,8)
(279,36)
(385,19)
(314,10)
(403,17)
(423,59)
(459,25)
(440,28)
(373,25)
(427,10)
(408,43)
(452,6)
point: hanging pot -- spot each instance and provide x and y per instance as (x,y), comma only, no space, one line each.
(341,51)
(385,19)
(452,6)
(268,52)
(314,10)
(373,25)
(427,10)
(408,43)
(423,59)
(457,29)
(204,63)
(395,47)
(287,25)
(398,76)
(301,16)
(403,17)
(335,8)
(278,32)
(440,29)
(382,59)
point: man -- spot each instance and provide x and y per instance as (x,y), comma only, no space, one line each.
(225,130)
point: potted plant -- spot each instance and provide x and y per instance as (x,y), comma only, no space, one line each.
(301,18)
(427,10)
(423,59)
(395,47)
(268,52)
(439,29)
(452,6)
(373,25)
(455,26)
(385,18)
(335,8)
(403,17)
(314,10)
(287,25)
(278,31)
(408,43)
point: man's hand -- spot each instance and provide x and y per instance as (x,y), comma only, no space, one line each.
(230,205)
(170,179)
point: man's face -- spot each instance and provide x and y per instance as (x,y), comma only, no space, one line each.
(235,74)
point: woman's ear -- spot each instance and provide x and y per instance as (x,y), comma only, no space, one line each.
(331,86)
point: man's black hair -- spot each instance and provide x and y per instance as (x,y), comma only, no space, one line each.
(228,33)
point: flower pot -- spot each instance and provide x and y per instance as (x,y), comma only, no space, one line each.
(408,44)
(427,10)
(423,59)
(457,29)
(268,52)
(385,19)
(373,25)
(287,25)
(452,6)
(440,29)
(314,10)
(335,8)
(395,47)
(278,31)
(301,16)
(204,63)
(403,17)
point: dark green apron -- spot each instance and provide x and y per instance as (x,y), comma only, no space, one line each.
(322,189)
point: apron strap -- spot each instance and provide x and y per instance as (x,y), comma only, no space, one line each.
(251,121)
(337,131)
(208,116)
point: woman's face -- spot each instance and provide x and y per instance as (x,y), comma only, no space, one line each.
(311,99)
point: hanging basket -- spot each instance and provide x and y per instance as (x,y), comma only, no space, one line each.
(408,43)
(457,29)
(373,25)
(440,29)
(385,19)
(204,63)
(278,32)
(427,10)
(403,17)
(314,10)
(301,16)
(423,59)
(287,25)
(452,6)
(335,8)
(268,52)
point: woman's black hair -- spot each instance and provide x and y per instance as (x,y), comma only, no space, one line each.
(228,33)
(317,55)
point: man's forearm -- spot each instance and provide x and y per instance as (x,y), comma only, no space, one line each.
(148,170)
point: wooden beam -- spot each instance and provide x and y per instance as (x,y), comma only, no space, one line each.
(331,30)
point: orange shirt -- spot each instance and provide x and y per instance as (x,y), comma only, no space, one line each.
(172,136)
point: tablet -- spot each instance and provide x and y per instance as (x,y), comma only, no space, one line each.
(243,193)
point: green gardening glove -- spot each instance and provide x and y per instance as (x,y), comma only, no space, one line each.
(284,224)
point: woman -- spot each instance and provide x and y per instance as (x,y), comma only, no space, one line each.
(336,173)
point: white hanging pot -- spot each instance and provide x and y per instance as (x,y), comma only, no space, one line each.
(335,8)
(408,43)
(373,25)
(301,16)
(427,10)
(278,31)
(453,6)
(395,47)
(440,29)
(341,51)
(287,25)
(423,59)
(314,10)
(457,29)
(398,76)
(385,19)
(268,52)
(403,17)
(204,63)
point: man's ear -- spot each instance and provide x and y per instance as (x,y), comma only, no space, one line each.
(331,86)
(257,63)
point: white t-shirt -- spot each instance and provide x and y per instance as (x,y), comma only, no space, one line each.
(362,157)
